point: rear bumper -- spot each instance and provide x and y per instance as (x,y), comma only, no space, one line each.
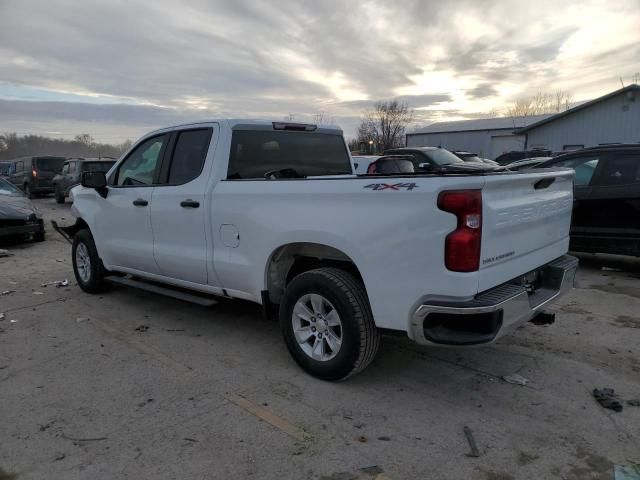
(493,313)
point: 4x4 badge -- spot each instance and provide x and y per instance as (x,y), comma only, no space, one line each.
(391,186)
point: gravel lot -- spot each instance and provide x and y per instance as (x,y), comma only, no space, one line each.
(87,392)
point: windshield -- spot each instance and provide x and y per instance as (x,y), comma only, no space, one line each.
(50,164)
(442,156)
(97,166)
(7,188)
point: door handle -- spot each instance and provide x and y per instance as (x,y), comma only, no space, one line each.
(189,203)
(140,202)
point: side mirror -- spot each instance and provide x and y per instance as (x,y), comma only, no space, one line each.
(425,166)
(96,180)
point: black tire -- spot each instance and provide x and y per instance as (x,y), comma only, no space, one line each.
(39,235)
(59,195)
(360,336)
(95,282)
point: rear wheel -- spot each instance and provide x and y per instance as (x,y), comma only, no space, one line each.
(59,195)
(327,323)
(87,266)
(39,235)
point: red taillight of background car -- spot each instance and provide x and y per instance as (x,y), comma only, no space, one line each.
(34,173)
(462,246)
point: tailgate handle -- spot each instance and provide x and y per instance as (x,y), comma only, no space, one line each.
(544,183)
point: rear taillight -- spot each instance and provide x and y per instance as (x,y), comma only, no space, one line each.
(462,246)
(34,173)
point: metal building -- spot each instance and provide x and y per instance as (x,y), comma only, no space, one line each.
(487,137)
(612,118)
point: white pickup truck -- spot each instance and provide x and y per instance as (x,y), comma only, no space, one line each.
(272,213)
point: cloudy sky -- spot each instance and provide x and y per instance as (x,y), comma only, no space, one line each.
(118,68)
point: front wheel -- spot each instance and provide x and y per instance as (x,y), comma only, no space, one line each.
(327,323)
(87,266)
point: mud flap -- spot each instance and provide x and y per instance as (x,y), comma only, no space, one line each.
(67,232)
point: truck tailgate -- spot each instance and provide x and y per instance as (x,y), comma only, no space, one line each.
(526,219)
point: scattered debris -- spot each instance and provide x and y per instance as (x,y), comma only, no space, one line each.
(57,283)
(35,292)
(1,316)
(75,439)
(142,328)
(362,439)
(372,470)
(384,438)
(634,402)
(174,330)
(5,253)
(515,379)
(190,439)
(82,319)
(627,472)
(608,399)
(60,456)
(6,292)
(472,442)
(13,321)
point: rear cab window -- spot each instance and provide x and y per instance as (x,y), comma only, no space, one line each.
(290,154)
(49,164)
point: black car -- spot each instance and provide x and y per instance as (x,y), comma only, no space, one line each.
(34,175)
(437,159)
(18,216)
(510,157)
(72,171)
(606,208)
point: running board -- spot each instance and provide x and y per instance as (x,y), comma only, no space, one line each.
(168,291)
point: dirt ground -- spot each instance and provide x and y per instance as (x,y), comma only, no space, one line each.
(134,385)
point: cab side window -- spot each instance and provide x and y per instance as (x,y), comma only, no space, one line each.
(139,168)
(72,167)
(584,168)
(620,170)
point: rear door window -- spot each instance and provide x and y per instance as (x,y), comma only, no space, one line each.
(583,166)
(621,169)
(188,155)
(255,153)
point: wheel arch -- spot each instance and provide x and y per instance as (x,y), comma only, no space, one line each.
(291,259)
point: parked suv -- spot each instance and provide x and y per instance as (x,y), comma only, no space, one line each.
(606,209)
(34,175)
(72,171)
(4,169)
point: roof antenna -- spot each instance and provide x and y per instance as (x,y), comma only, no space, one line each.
(621,82)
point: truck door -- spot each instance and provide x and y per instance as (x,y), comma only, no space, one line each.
(179,211)
(124,237)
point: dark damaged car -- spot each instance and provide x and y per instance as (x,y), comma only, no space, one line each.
(18,216)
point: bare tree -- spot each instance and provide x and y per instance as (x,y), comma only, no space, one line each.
(540,103)
(85,139)
(385,124)
(13,146)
